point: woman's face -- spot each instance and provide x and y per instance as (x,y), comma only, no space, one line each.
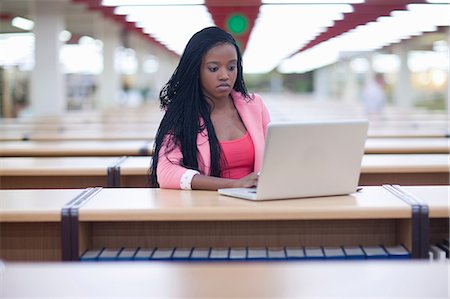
(218,71)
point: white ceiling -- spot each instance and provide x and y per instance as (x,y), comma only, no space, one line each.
(278,33)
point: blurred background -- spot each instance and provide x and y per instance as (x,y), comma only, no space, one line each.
(63,55)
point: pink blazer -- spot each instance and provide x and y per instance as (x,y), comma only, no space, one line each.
(255,116)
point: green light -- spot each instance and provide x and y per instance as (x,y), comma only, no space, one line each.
(237,24)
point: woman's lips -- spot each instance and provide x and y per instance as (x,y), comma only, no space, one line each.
(223,87)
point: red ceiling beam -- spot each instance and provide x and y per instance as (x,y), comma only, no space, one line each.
(362,14)
(6,17)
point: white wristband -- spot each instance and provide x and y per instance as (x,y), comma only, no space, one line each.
(186,179)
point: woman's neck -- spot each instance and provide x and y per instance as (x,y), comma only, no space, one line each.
(220,104)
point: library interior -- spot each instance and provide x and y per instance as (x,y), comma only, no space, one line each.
(124,123)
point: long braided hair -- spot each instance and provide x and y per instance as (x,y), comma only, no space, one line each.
(184,104)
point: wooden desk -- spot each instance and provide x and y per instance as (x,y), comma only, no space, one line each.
(76,148)
(408,132)
(63,126)
(146,217)
(56,172)
(437,199)
(82,172)
(30,224)
(405,169)
(376,170)
(86,134)
(133,172)
(11,136)
(415,121)
(145,147)
(146,113)
(139,134)
(364,279)
(407,146)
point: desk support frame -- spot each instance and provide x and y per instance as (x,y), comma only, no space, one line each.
(420,221)
(69,224)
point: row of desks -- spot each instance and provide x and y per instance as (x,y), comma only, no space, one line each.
(80,148)
(149,134)
(44,225)
(145,147)
(142,123)
(153,118)
(83,172)
(61,224)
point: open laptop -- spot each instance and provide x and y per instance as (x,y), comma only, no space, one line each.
(308,159)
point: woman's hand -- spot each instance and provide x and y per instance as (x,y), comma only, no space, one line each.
(202,182)
(248,181)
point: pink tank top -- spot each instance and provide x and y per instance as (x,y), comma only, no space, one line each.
(240,156)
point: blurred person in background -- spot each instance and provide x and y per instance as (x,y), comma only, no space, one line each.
(374,96)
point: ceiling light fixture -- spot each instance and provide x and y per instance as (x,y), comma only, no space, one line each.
(22,23)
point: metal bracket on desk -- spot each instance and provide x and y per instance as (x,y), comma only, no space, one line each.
(113,172)
(144,151)
(69,224)
(420,221)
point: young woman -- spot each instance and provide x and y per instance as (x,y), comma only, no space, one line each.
(213,132)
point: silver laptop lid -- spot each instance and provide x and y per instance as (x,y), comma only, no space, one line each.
(307,159)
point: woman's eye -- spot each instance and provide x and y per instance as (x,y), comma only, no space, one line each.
(231,67)
(213,69)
